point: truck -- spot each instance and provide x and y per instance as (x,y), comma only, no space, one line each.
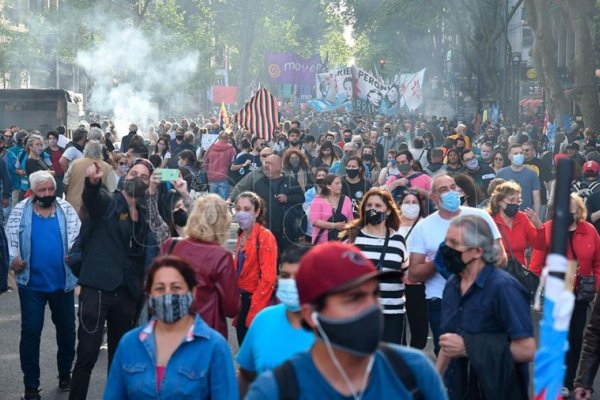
(40,109)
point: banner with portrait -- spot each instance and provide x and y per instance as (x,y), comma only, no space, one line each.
(373,96)
(335,90)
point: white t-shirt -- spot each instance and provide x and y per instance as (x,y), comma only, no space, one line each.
(430,232)
(72,154)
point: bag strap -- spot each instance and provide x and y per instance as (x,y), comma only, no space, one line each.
(512,256)
(285,376)
(383,250)
(174,242)
(402,370)
(338,210)
(411,229)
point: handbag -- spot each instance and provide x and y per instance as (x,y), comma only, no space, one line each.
(586,285)
(526,278)
(337,216)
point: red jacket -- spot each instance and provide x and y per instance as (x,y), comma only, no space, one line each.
(521,235)
(587,248)
(217,296)
(217,161)
(259,272)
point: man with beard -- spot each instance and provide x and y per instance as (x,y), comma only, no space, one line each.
(113,249)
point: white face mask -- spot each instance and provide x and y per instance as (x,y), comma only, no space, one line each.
(410,211)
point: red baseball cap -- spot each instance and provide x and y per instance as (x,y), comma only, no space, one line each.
(591,166)
(334,267)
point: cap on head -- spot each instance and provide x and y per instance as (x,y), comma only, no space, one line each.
(591,166)
(333,267)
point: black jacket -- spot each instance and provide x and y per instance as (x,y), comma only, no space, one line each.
(590,353)
(114,250)
(276,212)
(488,372)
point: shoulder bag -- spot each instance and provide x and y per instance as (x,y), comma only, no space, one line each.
(529,280)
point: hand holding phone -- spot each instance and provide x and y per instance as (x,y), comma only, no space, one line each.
(168,174)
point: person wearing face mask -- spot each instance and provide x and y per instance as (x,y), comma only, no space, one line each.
(374,232)
(337,288)
(74,179)
(519,229)
(296,164)
(525,177)
(368,158)
(40,231)
(35,161)
(387,141)
(354,183)
(339,166)
(325,158)
(175,345)
(54,152)
(255,260)
(583,247)
(412,209)
(481,173)
(487,331)
(424,243)
(408,176)
(206,231)
(276,334)
(114,254)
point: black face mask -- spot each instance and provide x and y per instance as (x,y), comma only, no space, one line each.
(135,187)
(375,217)
(180,217)
(46,201)
(319,181)
(178,138)
(511,210)
(452,259)
(570,219)
(359,335)
(293,142)
(352,173)
(368,157)
(347,139)
(590,174)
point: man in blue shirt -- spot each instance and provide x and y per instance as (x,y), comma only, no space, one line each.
(487,339)
(525,177)
(276,334)
(338,292)
(40,231)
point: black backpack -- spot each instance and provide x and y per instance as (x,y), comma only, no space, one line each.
(199,180)
(285,376)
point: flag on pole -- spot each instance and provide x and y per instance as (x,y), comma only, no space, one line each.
(549,368)
(260,115)
(223,117)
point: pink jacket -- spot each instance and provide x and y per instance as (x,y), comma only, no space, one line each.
(217,161)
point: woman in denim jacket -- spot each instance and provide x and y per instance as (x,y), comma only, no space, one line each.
(176,355)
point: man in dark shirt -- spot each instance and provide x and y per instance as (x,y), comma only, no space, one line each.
(481,300)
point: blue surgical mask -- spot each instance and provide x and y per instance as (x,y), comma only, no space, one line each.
(518,159)
(450,201)
(287,293)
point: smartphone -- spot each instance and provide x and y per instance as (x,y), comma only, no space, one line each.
(169,174)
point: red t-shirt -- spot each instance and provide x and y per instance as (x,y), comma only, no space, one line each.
(160,373)
(54,157)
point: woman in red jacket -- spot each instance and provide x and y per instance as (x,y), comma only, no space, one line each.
(255,260)
(207,229)
(519,229)
(584,247)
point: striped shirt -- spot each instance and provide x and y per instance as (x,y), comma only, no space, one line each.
(391,292)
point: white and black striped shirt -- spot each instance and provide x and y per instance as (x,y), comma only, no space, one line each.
(391,291)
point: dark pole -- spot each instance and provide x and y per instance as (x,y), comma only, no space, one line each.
(562,204)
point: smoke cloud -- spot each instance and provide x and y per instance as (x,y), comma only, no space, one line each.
(130,78)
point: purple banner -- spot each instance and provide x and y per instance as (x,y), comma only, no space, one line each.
(291,68)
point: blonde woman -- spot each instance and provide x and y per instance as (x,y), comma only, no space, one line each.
(207,229)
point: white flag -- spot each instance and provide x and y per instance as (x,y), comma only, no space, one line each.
(412,85)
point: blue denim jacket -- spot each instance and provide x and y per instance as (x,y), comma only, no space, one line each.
(200,368)
(18,234)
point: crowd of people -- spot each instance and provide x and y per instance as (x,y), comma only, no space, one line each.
(355,238)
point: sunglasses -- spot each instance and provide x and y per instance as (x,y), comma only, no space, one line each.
(122,163)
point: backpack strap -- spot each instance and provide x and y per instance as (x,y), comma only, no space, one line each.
(172,245)
(285,376)
(402,370)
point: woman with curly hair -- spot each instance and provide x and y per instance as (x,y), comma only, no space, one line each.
(206,231)
(375,233)
(296,164)
(255,260)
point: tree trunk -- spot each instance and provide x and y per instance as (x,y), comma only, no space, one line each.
(583,65)
(545,57)
(249,19)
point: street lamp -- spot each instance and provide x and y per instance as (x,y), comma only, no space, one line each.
(516,67)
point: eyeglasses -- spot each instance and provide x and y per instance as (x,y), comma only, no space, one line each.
(122,162)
